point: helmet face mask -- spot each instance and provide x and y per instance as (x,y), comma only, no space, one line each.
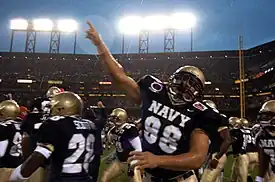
(184,87)
(114,120)
(267,121)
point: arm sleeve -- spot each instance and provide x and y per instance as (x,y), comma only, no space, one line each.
(212,122)
(142,82)
(131,132)
(47,136)
(100,118)
(136,143)
(4,131)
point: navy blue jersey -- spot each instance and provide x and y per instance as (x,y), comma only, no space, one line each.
(10,132)
(267,143)
(243,140)
(71,140)
(167,128)
(120,137)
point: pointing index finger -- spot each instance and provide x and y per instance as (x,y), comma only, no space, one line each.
(90,25)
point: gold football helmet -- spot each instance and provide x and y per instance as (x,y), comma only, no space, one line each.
(210,103)
(244,122)
(266,116)
(235,122)
(118,116)
(268,106)
(52,92)
(185,84)
(9,109)
(66,104)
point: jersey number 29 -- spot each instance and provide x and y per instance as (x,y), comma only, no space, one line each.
(80,144)
(169,138)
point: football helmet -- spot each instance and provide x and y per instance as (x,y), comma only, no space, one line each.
(66,104)
(235,122)
(9,109)
(185,84)
(52,92)
(244,122)
(118,116)
(266,117)
(210,103)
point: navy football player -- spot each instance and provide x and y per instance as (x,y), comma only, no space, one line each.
(243,143)
(67,139)
(125,137)
(175,126)
(98,116)
(10,138)
(265,141)
(220,143)
(39,112)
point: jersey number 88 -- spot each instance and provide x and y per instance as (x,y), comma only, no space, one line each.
(169,137)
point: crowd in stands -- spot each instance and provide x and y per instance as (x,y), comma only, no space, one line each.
(83,74)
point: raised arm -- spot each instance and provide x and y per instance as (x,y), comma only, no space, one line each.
(115,69)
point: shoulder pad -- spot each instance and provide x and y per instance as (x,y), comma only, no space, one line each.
(148,80)
(2,124)
(56,118)
(127,125)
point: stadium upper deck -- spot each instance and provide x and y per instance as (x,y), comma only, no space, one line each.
(75,71)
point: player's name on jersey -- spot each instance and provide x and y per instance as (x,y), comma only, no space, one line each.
(80,125)
(267,143)
(167,112)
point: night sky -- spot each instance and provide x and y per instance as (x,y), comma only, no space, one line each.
(219,22)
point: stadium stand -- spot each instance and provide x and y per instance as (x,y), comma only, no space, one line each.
(84,74)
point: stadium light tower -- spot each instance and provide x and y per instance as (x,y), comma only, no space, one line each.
(43,25)
(132,25)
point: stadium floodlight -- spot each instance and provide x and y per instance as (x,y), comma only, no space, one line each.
(43,25)
(182,21)
(130,25)
(19,24)
(24,81)
(67,25)
(155,22)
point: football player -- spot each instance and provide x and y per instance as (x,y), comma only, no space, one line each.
(243,141)
(251,149)
(67,139)
(175,126)
(125,137)
(219,145)
(39,112)
(265,141)
(10,138)
(98,115)
(234,123)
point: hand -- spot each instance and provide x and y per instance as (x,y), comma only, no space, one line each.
(100,104)
(93,35)
(144,160)
(214,163)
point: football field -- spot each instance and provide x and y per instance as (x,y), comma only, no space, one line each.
(123,178)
